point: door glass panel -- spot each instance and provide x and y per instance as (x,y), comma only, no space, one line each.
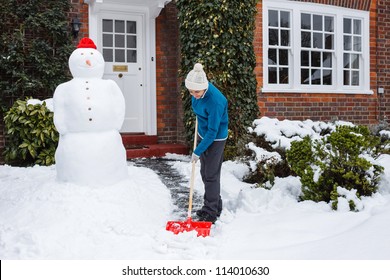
(108,55)
(108,40)
(119,40)
(119,55)
(107,25)
(131,56)
(131,27)
(119,26)
(131,41)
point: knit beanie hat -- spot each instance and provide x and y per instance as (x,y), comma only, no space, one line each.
(86,43)
(196,78)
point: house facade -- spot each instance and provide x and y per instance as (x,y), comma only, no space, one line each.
(315,59)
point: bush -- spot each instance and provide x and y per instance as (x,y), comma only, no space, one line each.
(341,160)
(268,141)
(31,137)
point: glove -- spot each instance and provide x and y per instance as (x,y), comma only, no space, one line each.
(194,158)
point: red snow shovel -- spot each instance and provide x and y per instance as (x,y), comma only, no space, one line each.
(203,228)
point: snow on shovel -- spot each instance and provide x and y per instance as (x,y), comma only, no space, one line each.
(202,228)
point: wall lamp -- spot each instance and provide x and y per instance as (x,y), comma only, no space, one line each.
(76,27)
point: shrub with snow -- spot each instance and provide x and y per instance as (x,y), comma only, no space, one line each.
(31,135)
(343,160)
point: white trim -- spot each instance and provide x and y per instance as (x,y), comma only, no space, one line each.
(294,86)
(148,10)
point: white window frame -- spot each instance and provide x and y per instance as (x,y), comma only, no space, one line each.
(339,13)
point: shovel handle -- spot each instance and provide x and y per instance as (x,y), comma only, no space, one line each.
(192,179)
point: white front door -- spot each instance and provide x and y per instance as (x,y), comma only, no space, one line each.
(121,45)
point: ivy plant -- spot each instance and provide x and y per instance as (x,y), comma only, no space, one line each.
(219,34)
(35,44)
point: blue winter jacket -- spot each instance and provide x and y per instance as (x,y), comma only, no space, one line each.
(212,113)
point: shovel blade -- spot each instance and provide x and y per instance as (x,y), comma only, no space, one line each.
(202,228)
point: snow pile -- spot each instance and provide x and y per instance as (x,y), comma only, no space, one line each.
(45,219)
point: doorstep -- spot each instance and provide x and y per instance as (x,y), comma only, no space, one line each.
(146,146)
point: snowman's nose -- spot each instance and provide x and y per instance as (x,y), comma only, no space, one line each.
(88,62)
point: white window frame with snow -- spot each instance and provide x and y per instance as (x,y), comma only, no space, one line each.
(315,48)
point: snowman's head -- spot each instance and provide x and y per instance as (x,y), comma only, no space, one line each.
(86,61)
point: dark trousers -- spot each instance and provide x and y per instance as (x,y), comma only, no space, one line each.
(210,170)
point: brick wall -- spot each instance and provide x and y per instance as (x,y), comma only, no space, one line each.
(357,108)
(169,106)
(80,10)
(383,62)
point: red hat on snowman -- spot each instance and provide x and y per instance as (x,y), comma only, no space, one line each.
(86,43)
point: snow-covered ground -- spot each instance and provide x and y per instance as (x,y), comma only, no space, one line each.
(44,219)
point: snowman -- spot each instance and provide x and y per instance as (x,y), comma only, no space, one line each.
(88,113)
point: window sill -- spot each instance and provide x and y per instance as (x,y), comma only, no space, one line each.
(323,91)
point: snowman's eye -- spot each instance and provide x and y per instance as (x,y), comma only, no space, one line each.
(82,53)
(91,52)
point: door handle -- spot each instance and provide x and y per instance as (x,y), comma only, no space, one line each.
(120,75)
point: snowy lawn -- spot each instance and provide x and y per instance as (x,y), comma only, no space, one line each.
(44,219)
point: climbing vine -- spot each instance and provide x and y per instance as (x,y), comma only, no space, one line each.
(34,48)
(219,34)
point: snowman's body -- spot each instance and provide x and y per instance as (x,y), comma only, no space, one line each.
(88,114)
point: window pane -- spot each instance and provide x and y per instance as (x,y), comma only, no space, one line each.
(284,19)
(315,59)
(315,76)
(131,41)
(273,37)
(272,60)
(108,55)
(317,40)
(355,61)
(131,27)
(305,80)
(305,21)
(347,43)
(283,75)
(357,27)
(329,24)
(317,22)
(119,26)
(327,77)
(306,39)
(346,78)
(272,79)
(357,44)
(120,41)
(283,57)
(273,18)
(304,58)
(346,60)
(327,59)
(131,56)
(119,55)
(347,26)
(107,25)
(108,40)
(355,78)
(329,42)
(285,40)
